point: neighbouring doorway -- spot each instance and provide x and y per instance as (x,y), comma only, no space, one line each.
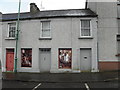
(9,59)
(45,59)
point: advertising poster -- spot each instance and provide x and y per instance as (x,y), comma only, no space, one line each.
(65,58)
(26,58)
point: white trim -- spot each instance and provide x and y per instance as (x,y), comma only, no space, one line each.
(26,47)
(65,48)
(90,28)
(109,61)
(21,60)
(41,28)
(8,25)
(9,47)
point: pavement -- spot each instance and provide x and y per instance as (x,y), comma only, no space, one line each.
(63,77)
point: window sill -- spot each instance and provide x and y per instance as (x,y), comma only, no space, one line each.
(85,38)
(45,38)
(9,38)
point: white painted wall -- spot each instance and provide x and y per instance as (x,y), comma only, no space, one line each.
(65,34)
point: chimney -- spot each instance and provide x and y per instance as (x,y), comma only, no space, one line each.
(86,4)
(33,8)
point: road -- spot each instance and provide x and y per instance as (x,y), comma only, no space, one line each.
(19,85)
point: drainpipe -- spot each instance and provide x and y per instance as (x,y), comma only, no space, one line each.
(17,35)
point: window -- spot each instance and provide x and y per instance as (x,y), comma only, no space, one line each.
(85,28)
(45,29)
(65,58)
(11,30)
(26,57)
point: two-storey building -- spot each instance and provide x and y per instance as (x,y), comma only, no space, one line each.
(51,41)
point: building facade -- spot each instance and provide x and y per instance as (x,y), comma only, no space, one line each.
(51,41)
(0,37)
(108,29)
(57,41)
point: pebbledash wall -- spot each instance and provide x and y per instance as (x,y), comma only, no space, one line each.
(65,34)
(108,25)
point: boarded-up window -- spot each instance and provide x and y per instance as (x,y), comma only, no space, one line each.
(65,58)
(26,57)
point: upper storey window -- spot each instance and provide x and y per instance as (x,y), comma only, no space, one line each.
(11,30)
(45,29)
(85,30)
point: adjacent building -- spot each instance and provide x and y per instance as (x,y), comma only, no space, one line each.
(108,28)
(0,36)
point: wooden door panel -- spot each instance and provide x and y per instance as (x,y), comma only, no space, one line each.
(9,61)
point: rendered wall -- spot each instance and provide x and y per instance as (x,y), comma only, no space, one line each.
(65,33)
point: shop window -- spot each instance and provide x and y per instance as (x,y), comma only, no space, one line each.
(65,58)
(26,57)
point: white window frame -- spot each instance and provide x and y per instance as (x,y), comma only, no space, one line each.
(41,29)
(9,30)
(90,28)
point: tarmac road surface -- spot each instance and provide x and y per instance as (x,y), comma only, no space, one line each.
(19,85)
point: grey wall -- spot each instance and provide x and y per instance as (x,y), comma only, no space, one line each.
(65,33)
(0,36)
(107,29)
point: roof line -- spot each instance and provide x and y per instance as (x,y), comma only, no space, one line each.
(47,11)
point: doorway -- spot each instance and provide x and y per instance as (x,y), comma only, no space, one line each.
(85,59)
(45,59)
(9,59)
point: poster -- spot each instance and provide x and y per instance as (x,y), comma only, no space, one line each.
(65,58)
(26,57)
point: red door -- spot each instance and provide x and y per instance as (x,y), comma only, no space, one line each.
(9,59)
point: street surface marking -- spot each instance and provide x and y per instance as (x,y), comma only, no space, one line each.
(86,85)
(36,86)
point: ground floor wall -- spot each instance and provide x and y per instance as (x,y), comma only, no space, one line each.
(48,59)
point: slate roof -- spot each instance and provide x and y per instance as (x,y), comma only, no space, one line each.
(50,14)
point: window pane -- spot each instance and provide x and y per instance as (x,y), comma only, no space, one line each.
(12,29)
(45,33)
(45,29)
(85,23)
(45,25)
(85,28)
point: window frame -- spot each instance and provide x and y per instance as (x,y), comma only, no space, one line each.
(31,58)
(8,35)
(81,28)
(41,33)
(69,49)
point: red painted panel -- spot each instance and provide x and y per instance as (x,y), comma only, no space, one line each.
(106,66)
(9,60)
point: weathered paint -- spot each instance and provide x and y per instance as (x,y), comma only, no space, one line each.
(107,66)
(9,59)
(65,33)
